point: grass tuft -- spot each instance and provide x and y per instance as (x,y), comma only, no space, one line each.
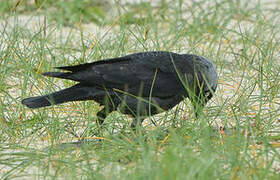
(237,137)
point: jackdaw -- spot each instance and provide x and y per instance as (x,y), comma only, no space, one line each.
(139,84)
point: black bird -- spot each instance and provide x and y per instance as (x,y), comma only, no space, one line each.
(139,84)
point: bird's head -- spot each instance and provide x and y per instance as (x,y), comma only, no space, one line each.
(206,82)
(209,78)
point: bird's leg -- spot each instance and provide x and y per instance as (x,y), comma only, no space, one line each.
(198,103)
(197,110)
(101,115)
(137,121)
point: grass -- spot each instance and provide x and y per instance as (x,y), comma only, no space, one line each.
(240,38)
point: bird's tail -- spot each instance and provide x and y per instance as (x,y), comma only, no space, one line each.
(74,93)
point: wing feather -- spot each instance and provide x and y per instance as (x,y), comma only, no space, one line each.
(132,72)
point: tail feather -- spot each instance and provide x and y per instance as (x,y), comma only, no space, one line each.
(74,93)
(75,68)
(63,75)
(36,102)
(81,67)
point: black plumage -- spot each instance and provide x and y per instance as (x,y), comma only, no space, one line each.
(139,84)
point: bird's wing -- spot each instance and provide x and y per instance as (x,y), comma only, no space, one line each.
(133,73)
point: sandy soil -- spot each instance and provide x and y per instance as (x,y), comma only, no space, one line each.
(94,32)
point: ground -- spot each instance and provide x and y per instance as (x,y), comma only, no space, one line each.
(240,38)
